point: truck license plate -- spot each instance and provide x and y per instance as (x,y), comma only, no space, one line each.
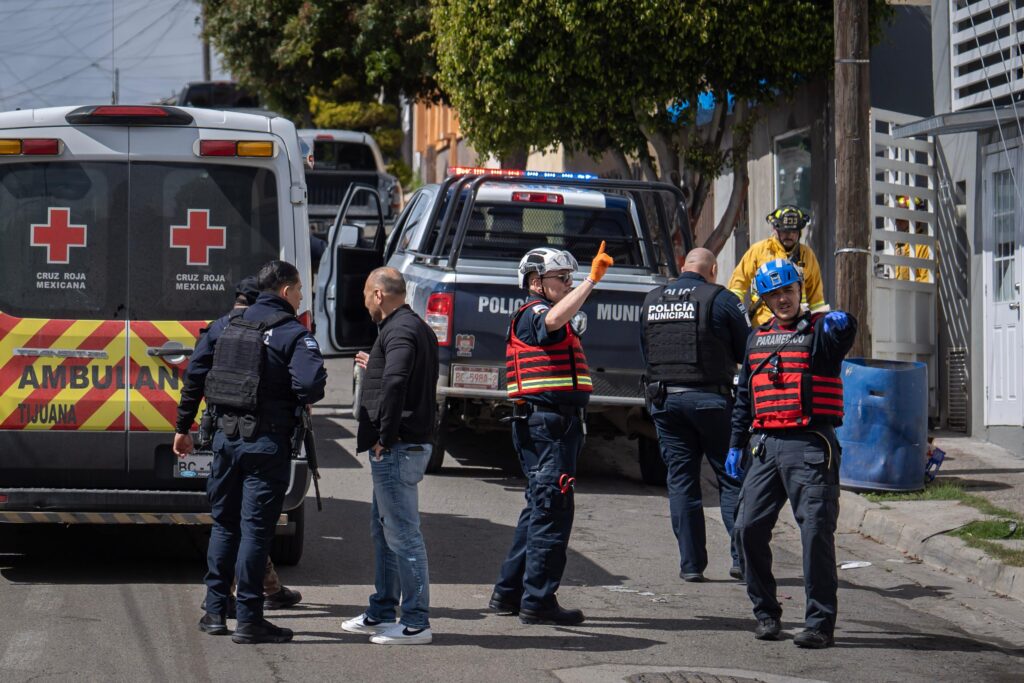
(474,377)
(195,465)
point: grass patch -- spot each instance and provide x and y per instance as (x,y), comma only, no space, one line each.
(946,490)
(984,535)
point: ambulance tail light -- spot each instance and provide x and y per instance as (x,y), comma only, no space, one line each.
(3,498)
(236,148)
(31,146)
(306,319)
(126,115)
(440,306)
(324,136)
(538,197)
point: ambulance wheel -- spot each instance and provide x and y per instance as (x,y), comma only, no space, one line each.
(652,467)
(287,550)
(437,450)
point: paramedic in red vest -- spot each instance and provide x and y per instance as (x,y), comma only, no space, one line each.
(789,401)
(549,384)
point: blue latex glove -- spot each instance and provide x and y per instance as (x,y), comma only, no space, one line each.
(835,321)
(732,464)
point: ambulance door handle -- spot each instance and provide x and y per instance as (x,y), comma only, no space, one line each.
(167,351)
(1015,306)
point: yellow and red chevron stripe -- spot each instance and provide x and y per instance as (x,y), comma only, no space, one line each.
(90,375)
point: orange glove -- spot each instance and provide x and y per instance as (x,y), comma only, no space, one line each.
(600,264)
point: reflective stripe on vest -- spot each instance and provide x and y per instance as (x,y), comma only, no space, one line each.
(784,392)
(535,369)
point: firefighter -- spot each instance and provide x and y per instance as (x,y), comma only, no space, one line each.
(694,333)
(550,384)
(789,402)
(255,367)
(787,223)
(921,251)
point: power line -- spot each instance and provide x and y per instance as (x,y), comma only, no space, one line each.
(130,39)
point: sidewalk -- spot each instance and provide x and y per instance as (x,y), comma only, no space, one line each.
(918,527)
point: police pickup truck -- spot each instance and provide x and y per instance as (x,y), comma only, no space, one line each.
(458,245)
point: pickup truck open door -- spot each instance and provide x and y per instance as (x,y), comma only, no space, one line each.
(354,249)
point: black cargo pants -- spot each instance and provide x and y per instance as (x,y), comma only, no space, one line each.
(803,466)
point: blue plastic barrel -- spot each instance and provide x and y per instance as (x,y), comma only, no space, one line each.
(885,430)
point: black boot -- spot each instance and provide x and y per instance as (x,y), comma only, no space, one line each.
(213,624)
(767,629)
(248,633)
(504,605)
(282,599)
(813,639)
(551,615)
(232,607)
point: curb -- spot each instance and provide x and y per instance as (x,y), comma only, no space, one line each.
(950,554)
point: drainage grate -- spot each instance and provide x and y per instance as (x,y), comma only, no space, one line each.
(687,677)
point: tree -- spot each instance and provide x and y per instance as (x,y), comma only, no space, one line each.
(337,50)
(626,77)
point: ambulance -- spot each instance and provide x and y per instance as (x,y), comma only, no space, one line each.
(125,230)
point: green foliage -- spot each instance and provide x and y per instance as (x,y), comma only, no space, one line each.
(402,171)
(389,140)
(341,50)
(364,116)
(600,74)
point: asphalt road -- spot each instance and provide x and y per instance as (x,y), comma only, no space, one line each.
(122,604)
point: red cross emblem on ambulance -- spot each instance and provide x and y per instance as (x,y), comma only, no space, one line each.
(58,235)
(198,237)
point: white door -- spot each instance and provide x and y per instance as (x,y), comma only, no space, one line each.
(1004,269)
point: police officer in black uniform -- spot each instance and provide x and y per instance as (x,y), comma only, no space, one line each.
(789,401)
(549,381)
(255,367)
(694,336)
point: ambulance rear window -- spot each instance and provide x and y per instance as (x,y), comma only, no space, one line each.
(196,230)
(63,226)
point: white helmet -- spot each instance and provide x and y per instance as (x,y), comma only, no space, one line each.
(545,260)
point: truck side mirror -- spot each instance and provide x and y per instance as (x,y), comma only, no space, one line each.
(349,236)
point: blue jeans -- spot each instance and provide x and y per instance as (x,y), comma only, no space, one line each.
(548,445)
(246,490)
(692,425)
(399,551)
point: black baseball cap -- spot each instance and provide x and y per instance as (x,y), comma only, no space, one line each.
(248,288)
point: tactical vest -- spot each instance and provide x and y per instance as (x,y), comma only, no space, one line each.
(784,392)
(238,358)
(681,348)
(536,369)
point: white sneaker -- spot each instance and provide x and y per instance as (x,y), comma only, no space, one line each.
(363,624)
(399,634)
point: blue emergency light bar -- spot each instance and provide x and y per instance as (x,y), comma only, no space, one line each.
(518,173)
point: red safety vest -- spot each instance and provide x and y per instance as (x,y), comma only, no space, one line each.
(784,392)
(535,369)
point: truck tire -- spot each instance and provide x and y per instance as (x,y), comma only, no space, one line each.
(437,451)
(287,550)
(652,467)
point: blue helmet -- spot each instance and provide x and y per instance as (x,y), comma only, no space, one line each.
(776,274)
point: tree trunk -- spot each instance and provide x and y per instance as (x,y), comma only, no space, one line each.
(740,180)
(621,163)
(515,158)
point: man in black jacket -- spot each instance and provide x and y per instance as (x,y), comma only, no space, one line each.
(396,424)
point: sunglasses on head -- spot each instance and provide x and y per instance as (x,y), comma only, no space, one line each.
(566,278)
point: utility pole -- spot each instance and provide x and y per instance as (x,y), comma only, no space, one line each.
(116,94)
(206,42)
(853,150)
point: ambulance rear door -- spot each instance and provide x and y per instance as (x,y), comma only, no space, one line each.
(201,218)
(64,194)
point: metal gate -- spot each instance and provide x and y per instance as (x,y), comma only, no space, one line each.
(902,287)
